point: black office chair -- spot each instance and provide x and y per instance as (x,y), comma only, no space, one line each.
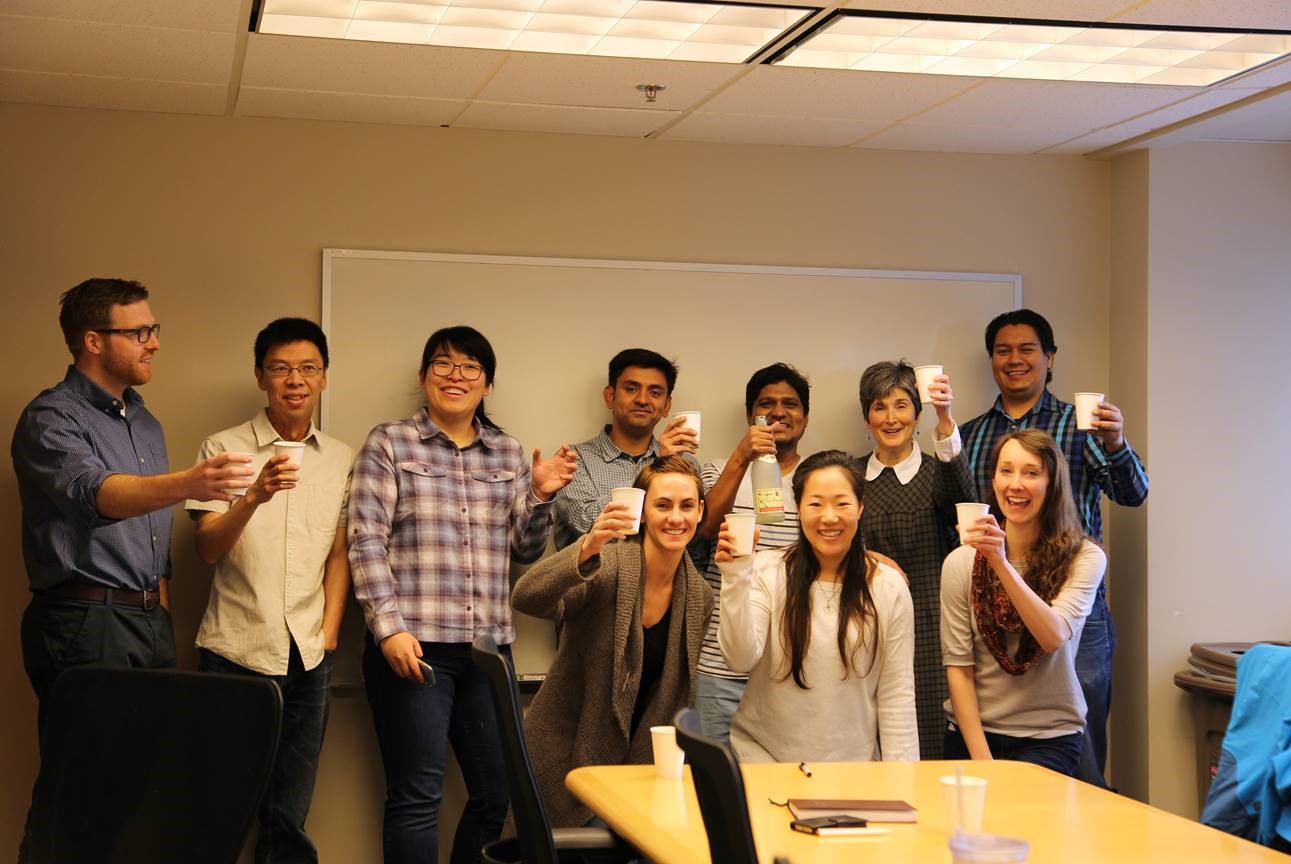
(148,766)
(719,786)
(536,842)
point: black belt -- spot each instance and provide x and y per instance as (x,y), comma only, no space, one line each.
(88,591)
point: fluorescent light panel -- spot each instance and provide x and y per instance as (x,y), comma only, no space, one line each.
(1061,51)
(661,29)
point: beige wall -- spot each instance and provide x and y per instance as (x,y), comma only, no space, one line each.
(1218,307)
(1127,526)
(225,219)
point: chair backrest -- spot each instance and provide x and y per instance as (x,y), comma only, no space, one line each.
(533,826)
(146,766)
(719,786)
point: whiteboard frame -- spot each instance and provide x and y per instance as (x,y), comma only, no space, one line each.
(329,254)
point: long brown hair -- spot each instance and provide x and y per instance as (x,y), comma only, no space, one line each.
(855,603)
(1061,533)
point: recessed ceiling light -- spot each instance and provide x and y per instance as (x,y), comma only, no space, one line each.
(1016,48)
(662,29)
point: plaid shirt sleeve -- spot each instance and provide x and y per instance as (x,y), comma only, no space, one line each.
(1121,474)
(530,518)
(373,494)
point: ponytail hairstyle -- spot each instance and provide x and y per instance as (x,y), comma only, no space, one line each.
(855,603)
(1061,533)
(468,341)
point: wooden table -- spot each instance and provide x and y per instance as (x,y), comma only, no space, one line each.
(1064,820)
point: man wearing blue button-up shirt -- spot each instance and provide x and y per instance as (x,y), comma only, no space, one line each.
(96,494)
(1021,347)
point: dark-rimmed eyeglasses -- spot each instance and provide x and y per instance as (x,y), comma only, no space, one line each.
(282,370)
(143,334)
(444,369)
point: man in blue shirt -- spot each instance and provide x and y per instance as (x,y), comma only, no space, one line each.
(97,493)
(1021,347)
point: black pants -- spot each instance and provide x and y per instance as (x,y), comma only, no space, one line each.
(60,634)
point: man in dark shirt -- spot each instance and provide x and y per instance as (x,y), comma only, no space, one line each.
(96,495)
(1102,462)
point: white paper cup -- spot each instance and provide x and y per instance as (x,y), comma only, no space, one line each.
(294,450)
(667,755)
(692,421)
(973,801)
(241,490)
(634,498)
(967,513)
(923,376)
(1085,405)
(741,525)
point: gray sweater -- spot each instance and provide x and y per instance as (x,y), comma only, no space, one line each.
(582,714)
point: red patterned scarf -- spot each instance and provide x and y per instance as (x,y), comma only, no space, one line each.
(997,617)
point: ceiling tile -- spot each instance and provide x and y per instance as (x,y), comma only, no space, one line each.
(1271,75)
(114,50)
(224,16)
(1266,120)
(960,139)
(1256,14)
(606,81)
(340,66)
(875,97)
(1064,108)
(1207,100)
(750,129)
(347,107)
(1085,144)
(558,118)
(86,91)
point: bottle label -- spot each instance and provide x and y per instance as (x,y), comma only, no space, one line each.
(769,500)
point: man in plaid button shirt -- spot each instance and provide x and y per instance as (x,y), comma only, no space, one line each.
(638,396)
(1021,347)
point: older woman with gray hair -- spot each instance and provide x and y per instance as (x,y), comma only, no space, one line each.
(909,515)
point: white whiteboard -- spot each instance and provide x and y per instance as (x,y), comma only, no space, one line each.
(554,323)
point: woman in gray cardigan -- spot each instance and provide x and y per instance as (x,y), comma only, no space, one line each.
(633,614)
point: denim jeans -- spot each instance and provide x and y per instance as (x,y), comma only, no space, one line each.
(1061,754)
(1094,671)
(286,801)
(415,724)
(715,702)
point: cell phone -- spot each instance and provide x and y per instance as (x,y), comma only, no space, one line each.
(835,826)
(427,672)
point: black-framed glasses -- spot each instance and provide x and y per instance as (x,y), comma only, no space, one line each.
(143,334)
(444,369)
(282,370)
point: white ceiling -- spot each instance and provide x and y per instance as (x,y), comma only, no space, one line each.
(196,57)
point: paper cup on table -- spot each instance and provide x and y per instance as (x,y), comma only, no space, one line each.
(667,755)
(741,525)
(241,490)
(691,420)
(923,376)
(635,499)
(1085,405)
(972,800)
(968,513)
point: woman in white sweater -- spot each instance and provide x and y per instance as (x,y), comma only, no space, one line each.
(1013,602)
(825,632)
